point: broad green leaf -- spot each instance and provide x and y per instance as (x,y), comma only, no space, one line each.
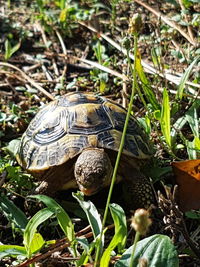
(191,117)
(165,118)
(102,86)
(184,79)
(63,15)
(193,120)
(191,148)
(13,147)
(146,85)
(37,243)
(2,117)
(62,217)
(91,213)
(117,238)
(32,225)
(156,250)
(62,4)
(193,214)
(11,251)
(87,250)
(12,212)
(197,144)
(157,173)
(84,243)
(177,126)
(146,124)
(157,114)
(119,219)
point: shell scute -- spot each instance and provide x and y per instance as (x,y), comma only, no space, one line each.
(64,127)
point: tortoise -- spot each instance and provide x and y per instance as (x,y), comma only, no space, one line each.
(72,142)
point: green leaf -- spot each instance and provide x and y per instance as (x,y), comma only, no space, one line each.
(32,225)
(119,238)
(177,126)
(2,117)
(11,251)
(91,213)
(62,217)
(191,147)
(119,218)
(37,243)
(193,119)
(15,48)
(102,86)
(13,147)
(87,250)
(157,114)
(157,250)
(9,51)
(105,259)
(193,214)
(184,79)
(146,85)
(63,15)
(13,213)
(165,118)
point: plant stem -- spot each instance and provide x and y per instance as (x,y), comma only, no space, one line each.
(137,237)
(133,71)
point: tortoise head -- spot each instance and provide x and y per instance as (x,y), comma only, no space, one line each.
(93,170)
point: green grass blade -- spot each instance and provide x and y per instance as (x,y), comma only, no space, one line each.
(146,86)
(193,119)
(105,259)
(165,118)
(177,126)
(119,219)
(32,225)
(119,238)
(184,79)
(62,217)
(13,213)
(193,147)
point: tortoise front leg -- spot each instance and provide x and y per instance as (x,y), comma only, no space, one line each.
(137,189)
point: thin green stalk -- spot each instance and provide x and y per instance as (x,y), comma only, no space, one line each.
(133,71)
(137,237)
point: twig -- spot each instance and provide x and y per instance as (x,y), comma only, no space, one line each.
(147,67)
(44,37)
(167,21)
(103,68)
(125,78)
(187,20)
(174,217)
(45,255)
(58,246)
(36,85)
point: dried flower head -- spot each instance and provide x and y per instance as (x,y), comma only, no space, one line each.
(135,24)
(143,262)
(141,221)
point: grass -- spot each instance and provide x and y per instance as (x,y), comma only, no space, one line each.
(162,95)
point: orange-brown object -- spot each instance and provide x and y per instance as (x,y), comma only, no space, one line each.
(187,176)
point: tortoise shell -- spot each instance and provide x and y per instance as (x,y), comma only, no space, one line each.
(65,127)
